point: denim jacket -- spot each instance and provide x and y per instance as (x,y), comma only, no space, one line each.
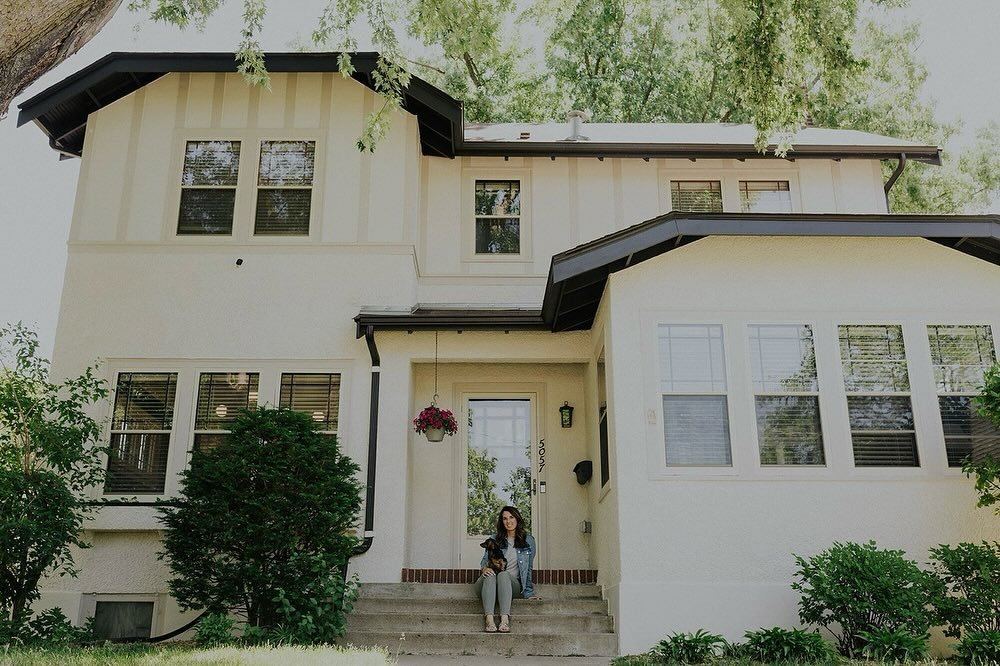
(525,560)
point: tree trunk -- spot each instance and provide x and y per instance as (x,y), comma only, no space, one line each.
(37,35)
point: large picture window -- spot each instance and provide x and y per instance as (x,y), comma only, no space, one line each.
(960,355)
(498,217)
(284,188)
(696,196)
(878,396)
(208,188)
(141,424)
(786,395)
(220,397)
(693,394)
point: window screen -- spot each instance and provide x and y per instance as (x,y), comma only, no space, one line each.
(696,196)
(220,397)
(786,397)
(284,188)
(208,188)
(878,400)
(693,393)
(140,433)
(765,196)
(498,217)
(960,355)
(316,394)
(123,619)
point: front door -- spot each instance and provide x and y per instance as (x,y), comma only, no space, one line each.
(499,435)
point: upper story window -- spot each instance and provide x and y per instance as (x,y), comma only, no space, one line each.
(765,196)
(498,216)
(284,188)
(693,391)
(786,395)
(208,187)
(220,396)
(878,396)
(960,355)
(140,433)
(696,196)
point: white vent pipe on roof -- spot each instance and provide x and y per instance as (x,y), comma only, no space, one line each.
(575,119)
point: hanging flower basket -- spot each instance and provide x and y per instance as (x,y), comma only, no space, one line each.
(435,423)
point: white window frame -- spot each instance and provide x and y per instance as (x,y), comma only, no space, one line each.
(730,178)
(468,215)
(235,188)
(259,149)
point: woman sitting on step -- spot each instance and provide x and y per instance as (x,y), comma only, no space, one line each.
(501,580)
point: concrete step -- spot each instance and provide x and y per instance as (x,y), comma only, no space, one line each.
(472,605)
(473,623)
(513,644)
(462,591)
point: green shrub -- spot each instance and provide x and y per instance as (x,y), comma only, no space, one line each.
(49,629)
(859,587)
(784,645)
(971,576)
(979,648)
(213,630)
(894,646)
(317,610)
(682,648)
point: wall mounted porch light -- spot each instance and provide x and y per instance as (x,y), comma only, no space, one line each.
(566,415)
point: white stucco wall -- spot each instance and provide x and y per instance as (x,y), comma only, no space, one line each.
(712,547)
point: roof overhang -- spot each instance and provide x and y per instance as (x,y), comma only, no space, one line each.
(61,110)
(452,319)
(577,277)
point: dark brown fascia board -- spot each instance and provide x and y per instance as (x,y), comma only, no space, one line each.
(452,320)
(690,151)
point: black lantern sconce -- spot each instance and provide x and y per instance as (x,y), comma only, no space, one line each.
(566,416)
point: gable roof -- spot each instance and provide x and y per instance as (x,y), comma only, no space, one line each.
(577,277)
(62,110)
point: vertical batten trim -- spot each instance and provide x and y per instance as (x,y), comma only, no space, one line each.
(325,103)
(424,220)
(253,112)
(218,99)
(619,195)
(410,193)
(574,201)
(364,187)
(180,108)
(291,90)
(138,103)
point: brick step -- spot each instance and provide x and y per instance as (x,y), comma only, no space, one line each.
(472,605)
(466,591)
(473,623)
(479,643)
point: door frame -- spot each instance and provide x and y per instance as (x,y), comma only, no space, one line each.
(534,392)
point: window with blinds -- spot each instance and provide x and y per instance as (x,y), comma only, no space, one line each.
(693,393)
(498,216)
(284,188)
(878,396)
(115,620)
(221,395)
(960,355)
(316,394)
(696,196)
(786,395)
(208,188)
(765,196)
(140,433)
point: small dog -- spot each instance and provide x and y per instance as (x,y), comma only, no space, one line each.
(494,555)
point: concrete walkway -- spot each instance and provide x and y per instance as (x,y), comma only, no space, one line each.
(500,660)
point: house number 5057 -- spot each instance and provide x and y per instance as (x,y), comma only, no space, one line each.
(541,455)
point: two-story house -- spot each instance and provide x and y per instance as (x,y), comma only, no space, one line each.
(760,359)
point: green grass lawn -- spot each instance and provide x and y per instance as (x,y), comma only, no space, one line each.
(175,655)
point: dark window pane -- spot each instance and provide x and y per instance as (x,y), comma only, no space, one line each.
(498,197)
(282,212)
(498,236)
(788,429)
(966,434)
(123,619)
(206,211)
(137,463)
(211,163)
(220,397)
(696,430)
(696,196)
(204,442)
(144,401)
(885,449)
(316,394)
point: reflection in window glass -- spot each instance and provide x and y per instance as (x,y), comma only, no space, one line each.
(140,432)
(221,395)
(498,217)
(696,196)
(765,196)
(284,188)
(208,187)
(499,462)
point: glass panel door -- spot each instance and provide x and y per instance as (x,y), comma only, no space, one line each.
(499,436)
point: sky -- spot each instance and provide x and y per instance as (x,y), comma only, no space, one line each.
(38,190)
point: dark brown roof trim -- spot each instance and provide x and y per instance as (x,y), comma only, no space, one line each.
(448,319)
(577,277)
(62,110)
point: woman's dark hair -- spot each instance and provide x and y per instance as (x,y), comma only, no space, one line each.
(520,534)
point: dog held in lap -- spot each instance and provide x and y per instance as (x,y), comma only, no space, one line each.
(496,560)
